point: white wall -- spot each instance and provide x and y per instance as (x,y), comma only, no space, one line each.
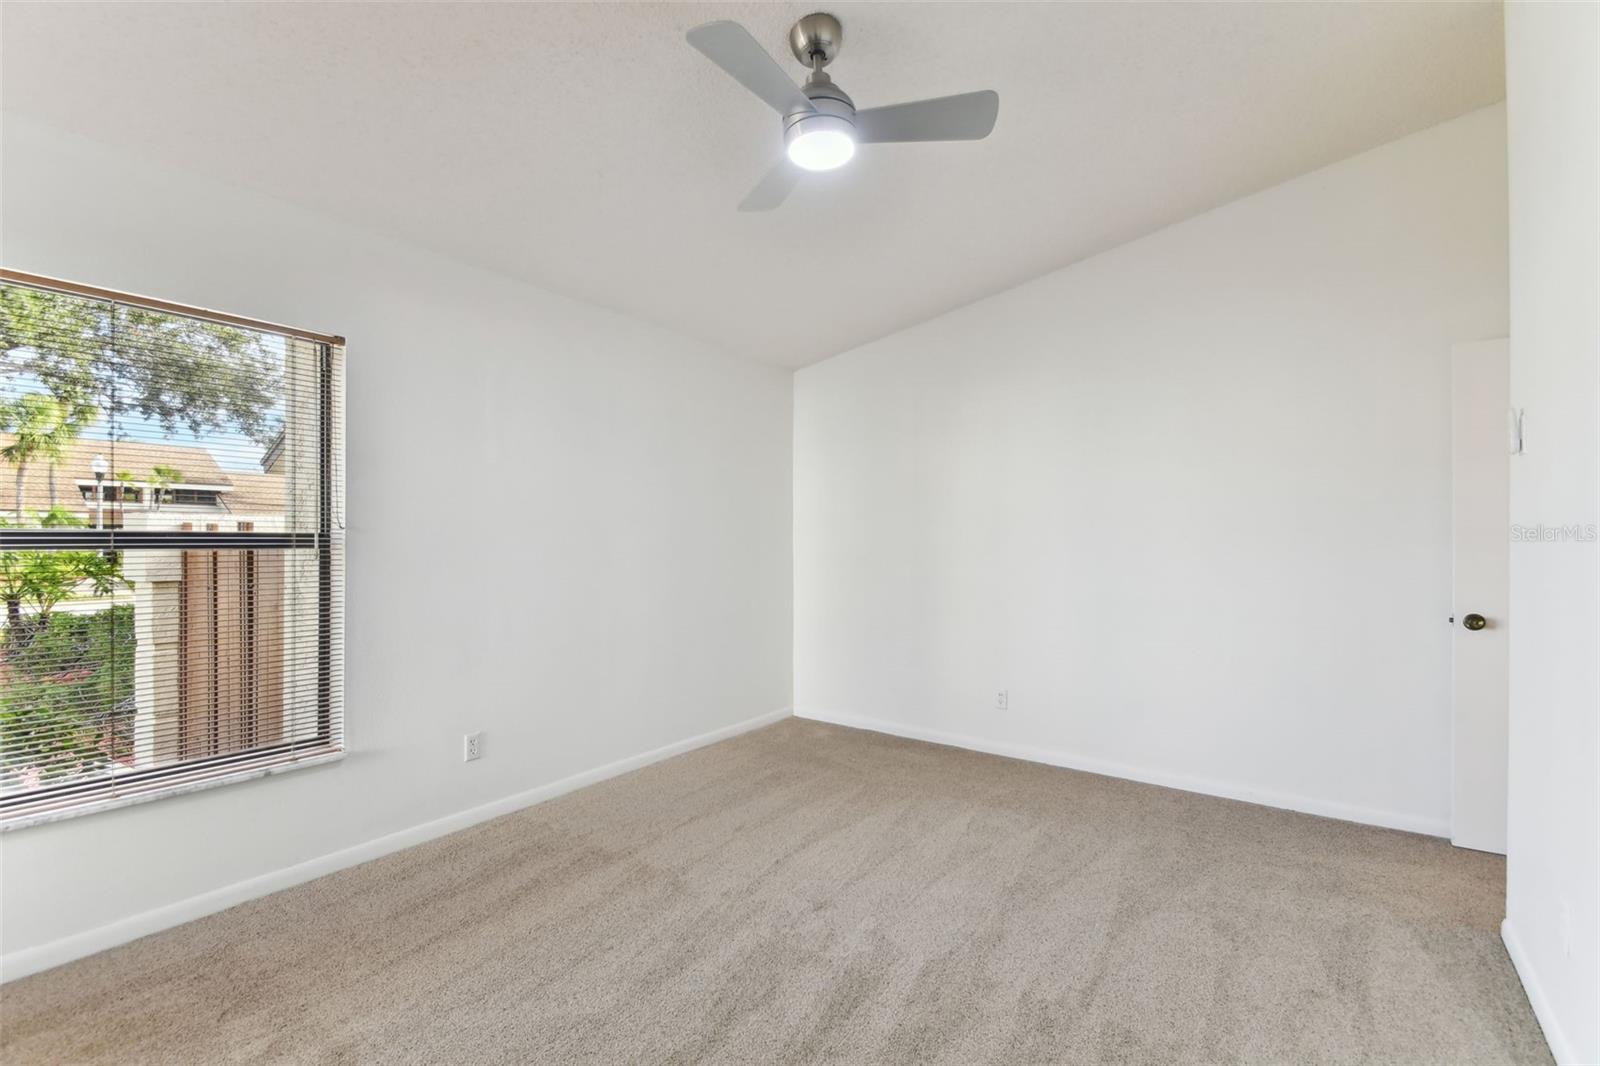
(566,528)
(1553,818)
(1187,501)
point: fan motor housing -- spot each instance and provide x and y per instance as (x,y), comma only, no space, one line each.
(833,110)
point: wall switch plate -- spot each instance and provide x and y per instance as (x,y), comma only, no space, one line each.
(471,747)
(1003,700)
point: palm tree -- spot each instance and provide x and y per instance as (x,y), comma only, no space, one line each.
(41,427)
(161,479)
(34,420)
(76,415)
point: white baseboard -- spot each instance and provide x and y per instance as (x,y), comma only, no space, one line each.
(1437,827)
(32,960)
(1553,1034)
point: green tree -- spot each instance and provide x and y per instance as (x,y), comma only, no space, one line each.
(41,427)
(67,706)
(171,369)
(41,580)
(163,478)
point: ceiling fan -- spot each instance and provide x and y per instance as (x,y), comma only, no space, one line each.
(821,126)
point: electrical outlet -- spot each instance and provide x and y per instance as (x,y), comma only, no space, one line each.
(471,747)
(1002,701)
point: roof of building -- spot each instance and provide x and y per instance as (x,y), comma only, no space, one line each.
(248,492)
(256,493)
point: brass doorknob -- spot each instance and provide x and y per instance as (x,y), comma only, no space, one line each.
(1475,621)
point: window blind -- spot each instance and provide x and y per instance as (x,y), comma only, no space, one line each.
(171,547)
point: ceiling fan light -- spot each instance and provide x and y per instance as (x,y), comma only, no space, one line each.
(821,150)
(821,142)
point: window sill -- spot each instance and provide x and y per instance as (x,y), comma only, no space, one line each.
(25,818)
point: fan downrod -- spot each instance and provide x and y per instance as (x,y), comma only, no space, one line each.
(815,40)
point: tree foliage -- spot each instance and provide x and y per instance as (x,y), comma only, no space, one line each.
(66,707)
(41,427)
(171,369)
(34,583)
(66,680)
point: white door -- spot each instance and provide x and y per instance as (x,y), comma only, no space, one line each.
(1480,450)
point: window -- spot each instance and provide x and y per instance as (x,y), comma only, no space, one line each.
(113,493)
(171,548)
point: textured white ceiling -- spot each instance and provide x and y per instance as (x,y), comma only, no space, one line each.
(588,149)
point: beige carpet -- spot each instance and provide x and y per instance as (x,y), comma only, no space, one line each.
(809,893)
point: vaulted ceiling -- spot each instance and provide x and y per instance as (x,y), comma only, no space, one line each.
(588,149)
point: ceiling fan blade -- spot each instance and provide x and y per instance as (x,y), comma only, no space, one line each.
(967,117)
(773,189)
(730,46)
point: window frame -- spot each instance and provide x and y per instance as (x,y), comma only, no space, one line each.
(53,803)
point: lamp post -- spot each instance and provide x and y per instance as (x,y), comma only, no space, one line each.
(99,467)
